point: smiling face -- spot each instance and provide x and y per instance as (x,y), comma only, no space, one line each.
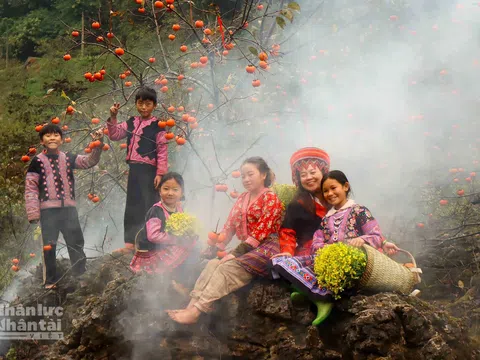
(171,192)
(145,108)
(252,179)
(52,141)
(311,178)
(335,193)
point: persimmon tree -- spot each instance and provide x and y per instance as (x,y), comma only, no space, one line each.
(210,67)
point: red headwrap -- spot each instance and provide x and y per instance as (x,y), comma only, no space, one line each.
(305,157)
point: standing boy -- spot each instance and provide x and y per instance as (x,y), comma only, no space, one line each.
(147,158)
(50,199)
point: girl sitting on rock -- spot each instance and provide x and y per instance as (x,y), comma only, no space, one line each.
(255,216)
(156,250)
(346,221)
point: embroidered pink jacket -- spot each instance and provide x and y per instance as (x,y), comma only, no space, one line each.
(146,142)
(156,250)
(50,183)
(351,221)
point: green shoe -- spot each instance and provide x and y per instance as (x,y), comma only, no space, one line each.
(297,297)
(323,310)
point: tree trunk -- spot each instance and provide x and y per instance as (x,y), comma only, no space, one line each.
(82,46)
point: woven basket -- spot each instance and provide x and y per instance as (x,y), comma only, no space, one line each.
(384,274)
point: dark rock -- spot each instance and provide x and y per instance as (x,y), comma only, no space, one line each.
(121,316)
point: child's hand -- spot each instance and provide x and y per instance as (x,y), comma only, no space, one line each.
(356,242)
(157,180)
(114,110)
(390,248)
(97,135)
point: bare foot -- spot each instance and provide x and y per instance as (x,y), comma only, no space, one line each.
(180,289)
(50,286)
(186,317)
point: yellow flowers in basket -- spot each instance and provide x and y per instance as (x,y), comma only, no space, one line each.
(285,193)
(182,224)
(338,267)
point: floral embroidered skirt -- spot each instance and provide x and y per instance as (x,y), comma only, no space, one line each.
(298,270)
(257,261)
(160,261)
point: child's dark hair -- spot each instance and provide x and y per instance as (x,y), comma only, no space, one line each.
(338,176)
(146,93)
(175,176)
(263,167)
(50,129)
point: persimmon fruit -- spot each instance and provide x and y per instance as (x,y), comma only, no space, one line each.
(263,56)
(181,141)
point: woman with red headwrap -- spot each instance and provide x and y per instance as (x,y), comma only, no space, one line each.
(304,215)
(309,166)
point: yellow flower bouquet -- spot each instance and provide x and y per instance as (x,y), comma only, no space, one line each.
(182,224)
(338,267)
(285,193)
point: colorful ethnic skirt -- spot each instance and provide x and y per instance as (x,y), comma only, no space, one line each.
(257,261)
(298,270)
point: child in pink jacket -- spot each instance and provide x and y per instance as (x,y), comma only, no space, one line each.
(147,158)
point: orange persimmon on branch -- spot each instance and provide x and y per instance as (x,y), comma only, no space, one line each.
(193,61)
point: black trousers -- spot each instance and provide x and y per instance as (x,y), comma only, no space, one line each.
(141,195)
(64,220)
